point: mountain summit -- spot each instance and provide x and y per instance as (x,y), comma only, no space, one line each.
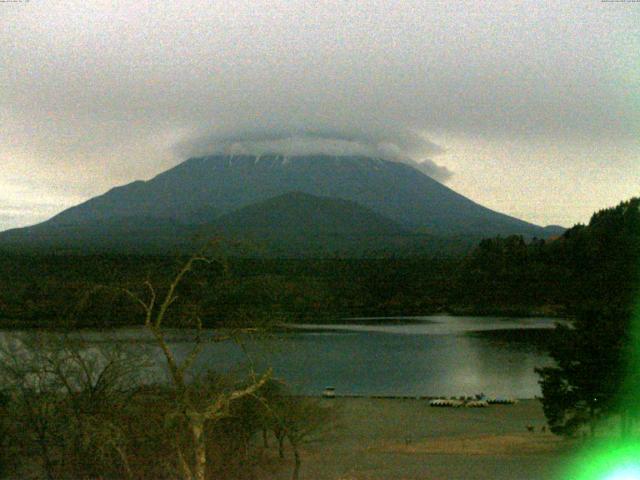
(208,190)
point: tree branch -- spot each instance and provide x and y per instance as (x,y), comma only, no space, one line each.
(220,408)
(170,296)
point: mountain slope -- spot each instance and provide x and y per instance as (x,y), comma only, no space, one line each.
(299,224)
(124,235)
(294,224)
(303,214)
(226,183)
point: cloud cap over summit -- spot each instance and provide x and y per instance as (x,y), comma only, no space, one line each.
(399,146)
(526,100)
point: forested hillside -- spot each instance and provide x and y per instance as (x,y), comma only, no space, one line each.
(589,263)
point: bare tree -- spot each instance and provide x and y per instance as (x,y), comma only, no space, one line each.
(33,397)
(196,413)
(296,419)
(66,395)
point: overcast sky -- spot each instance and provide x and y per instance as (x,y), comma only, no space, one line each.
(531,108)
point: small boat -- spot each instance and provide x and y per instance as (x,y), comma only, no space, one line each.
(445,402)
(502,401)
(477,404)
(329,392)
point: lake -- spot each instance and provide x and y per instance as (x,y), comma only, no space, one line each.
(407,356)
(437,355)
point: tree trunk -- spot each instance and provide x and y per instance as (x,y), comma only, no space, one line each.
(200,450)
(125,461)
(184,466)
(296,467)
(48,465)
(41,428)
(281,446)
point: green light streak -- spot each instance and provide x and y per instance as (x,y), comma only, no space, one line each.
(607,461)
(619,459)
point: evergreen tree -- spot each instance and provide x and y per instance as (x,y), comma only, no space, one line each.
(595,356)
(591,366)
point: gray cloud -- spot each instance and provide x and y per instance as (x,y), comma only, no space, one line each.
(99,93)
(397,145)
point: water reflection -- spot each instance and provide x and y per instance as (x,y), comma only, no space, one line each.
(435,355)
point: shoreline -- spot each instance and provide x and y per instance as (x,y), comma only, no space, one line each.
(381,439)
(403,397)
(392,317)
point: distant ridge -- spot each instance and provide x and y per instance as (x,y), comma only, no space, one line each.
(304,214)
(239,193)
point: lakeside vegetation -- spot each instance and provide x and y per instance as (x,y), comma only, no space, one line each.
(502,276)
(69,409)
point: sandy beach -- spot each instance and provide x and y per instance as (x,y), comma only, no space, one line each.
(407,439)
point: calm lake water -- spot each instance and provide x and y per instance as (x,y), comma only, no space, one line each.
(435,355)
